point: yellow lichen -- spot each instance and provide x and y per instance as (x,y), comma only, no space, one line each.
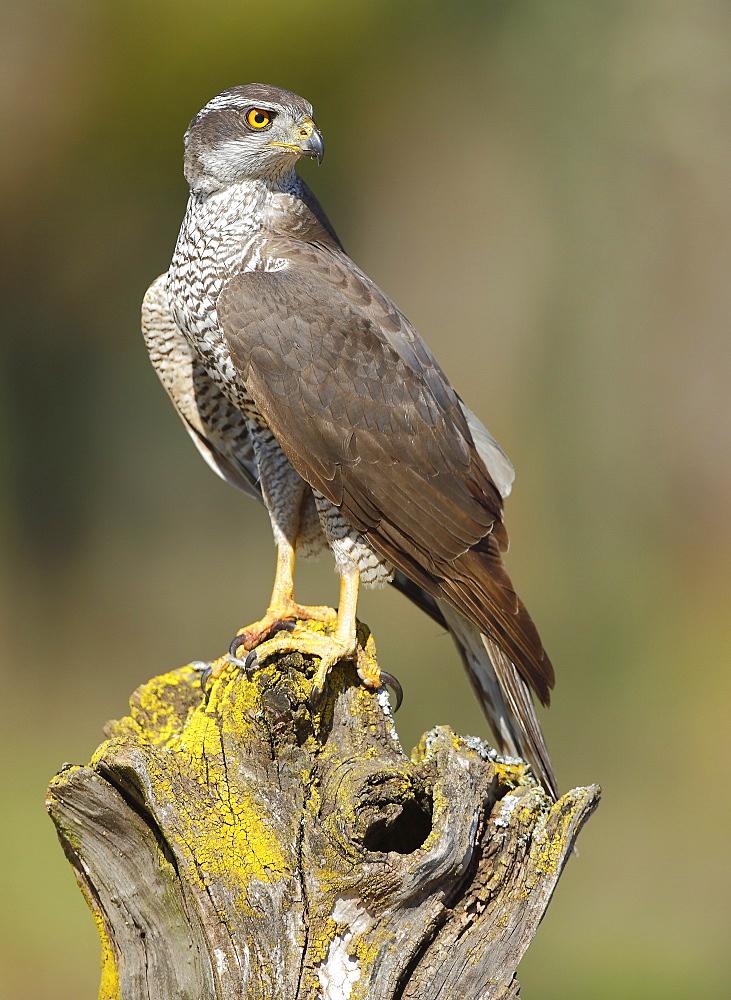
(550,849)
(229,834)
(232,841)
(226,834)
(109,984)
(321,940)
(156,701)
(109,988)
(511,775)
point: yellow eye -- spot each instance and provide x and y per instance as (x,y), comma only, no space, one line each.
(258,118)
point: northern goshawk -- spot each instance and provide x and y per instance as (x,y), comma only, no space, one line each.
(302,384)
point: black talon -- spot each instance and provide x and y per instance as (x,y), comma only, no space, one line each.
(314,697)
(250,662)
(391,681)
(240,637)
(233,646)
(205,677)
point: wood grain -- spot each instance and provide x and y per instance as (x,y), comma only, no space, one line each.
(252,846)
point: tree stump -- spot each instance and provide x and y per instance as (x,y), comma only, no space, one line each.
(250,846)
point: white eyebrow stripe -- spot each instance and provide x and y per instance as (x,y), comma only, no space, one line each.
(224,101)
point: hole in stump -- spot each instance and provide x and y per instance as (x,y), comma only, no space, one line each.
(403,832)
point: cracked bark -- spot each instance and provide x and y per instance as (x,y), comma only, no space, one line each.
(251,847)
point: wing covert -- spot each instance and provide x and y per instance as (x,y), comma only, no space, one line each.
(367,417)
(359,406)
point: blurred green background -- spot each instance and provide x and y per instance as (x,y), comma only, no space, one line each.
(544,189)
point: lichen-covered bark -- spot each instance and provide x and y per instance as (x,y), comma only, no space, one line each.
(252,846)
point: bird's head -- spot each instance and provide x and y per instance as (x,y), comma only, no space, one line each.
(251,132)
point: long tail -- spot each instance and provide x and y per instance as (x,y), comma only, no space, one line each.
(501,691)
(504,697)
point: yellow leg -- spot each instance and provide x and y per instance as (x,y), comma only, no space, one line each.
(282,606)
(341,645)
(345,629)
(344,638)
(284,576)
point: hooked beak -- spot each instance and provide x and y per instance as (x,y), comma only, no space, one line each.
(312,145)
(309,141)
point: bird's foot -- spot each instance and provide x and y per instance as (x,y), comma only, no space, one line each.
(216,667)
(329,648)
(213,671)
(369,671)
(284,611)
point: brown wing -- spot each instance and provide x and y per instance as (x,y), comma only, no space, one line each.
(367,417)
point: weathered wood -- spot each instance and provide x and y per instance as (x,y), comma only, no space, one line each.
(250,846)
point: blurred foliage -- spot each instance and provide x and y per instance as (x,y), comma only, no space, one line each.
(543,188)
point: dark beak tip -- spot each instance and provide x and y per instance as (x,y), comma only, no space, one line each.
(314,147)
